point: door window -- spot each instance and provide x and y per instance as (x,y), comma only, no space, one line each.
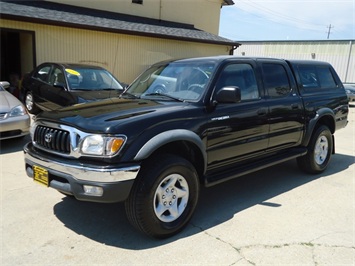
(57,77)
(241,76)
(42,74)
(276,80)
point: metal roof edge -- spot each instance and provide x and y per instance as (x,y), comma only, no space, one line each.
(106,23)
(288,41)
(113,30)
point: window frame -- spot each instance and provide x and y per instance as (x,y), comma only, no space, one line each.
(255,79)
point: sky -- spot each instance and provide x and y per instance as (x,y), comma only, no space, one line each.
(256,20)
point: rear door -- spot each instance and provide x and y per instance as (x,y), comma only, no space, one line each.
(238,131)
(285,114)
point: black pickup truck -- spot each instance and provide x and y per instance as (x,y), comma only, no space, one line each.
(188,123)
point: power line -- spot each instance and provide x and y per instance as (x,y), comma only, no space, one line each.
(280,15)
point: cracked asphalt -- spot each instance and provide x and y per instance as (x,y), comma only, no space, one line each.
(277,216)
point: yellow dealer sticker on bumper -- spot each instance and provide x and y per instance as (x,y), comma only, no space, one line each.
(40,175)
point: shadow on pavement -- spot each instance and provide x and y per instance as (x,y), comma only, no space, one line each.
(13,145)
(107,223)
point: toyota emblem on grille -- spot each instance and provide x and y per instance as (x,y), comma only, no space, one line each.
(48,137)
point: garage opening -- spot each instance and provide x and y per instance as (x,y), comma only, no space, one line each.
(17,52)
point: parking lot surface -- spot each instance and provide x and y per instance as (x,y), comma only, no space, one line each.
(277,216)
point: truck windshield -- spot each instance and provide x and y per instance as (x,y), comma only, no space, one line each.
(173,81)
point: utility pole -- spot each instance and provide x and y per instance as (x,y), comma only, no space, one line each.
(329,28)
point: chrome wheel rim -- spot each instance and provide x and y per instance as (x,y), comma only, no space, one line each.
(171,197)
(29,101)
(321,150)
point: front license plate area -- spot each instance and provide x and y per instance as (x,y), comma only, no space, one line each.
(40,175)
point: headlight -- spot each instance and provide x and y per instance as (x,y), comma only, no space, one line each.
(101,145)
(17,111)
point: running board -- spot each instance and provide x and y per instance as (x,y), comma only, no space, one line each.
(232,173)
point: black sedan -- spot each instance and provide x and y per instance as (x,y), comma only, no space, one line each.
(53,85)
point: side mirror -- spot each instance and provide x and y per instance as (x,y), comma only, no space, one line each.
(228,95)
(5,84)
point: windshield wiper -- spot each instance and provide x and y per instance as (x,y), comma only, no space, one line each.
(164,95)
(126,93)
(109,89)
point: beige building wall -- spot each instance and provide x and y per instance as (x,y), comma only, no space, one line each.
(123,55)
(203,14)
(341,54)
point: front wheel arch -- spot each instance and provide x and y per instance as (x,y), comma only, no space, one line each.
(173,141)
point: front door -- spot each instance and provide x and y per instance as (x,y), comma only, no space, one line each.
(238,131)
(57,93)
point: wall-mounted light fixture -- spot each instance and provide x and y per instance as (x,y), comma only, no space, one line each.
(243,53)
(313,55)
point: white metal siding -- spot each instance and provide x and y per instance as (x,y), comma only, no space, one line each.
(341,54)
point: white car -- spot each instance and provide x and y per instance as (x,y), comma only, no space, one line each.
(14,119)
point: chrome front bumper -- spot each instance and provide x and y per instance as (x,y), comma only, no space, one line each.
(70,178)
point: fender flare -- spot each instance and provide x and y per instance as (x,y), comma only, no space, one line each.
(313,122)
(170,136)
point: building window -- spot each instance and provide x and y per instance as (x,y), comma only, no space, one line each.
(137,2)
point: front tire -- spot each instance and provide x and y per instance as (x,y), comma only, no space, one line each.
(320,150)
(30,103)
(164,196)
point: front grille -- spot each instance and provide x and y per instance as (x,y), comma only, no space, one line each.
(53,139)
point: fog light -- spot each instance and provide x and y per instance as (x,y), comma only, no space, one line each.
(93,191)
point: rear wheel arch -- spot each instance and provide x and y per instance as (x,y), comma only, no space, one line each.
(323,117)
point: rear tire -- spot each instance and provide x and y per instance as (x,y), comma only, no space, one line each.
(164,196)
(320,150)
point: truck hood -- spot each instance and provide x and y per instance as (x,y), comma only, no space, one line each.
(108,115)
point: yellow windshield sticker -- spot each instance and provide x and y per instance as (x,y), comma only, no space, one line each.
(73,72)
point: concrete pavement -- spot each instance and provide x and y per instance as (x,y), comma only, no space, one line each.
(277,216)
